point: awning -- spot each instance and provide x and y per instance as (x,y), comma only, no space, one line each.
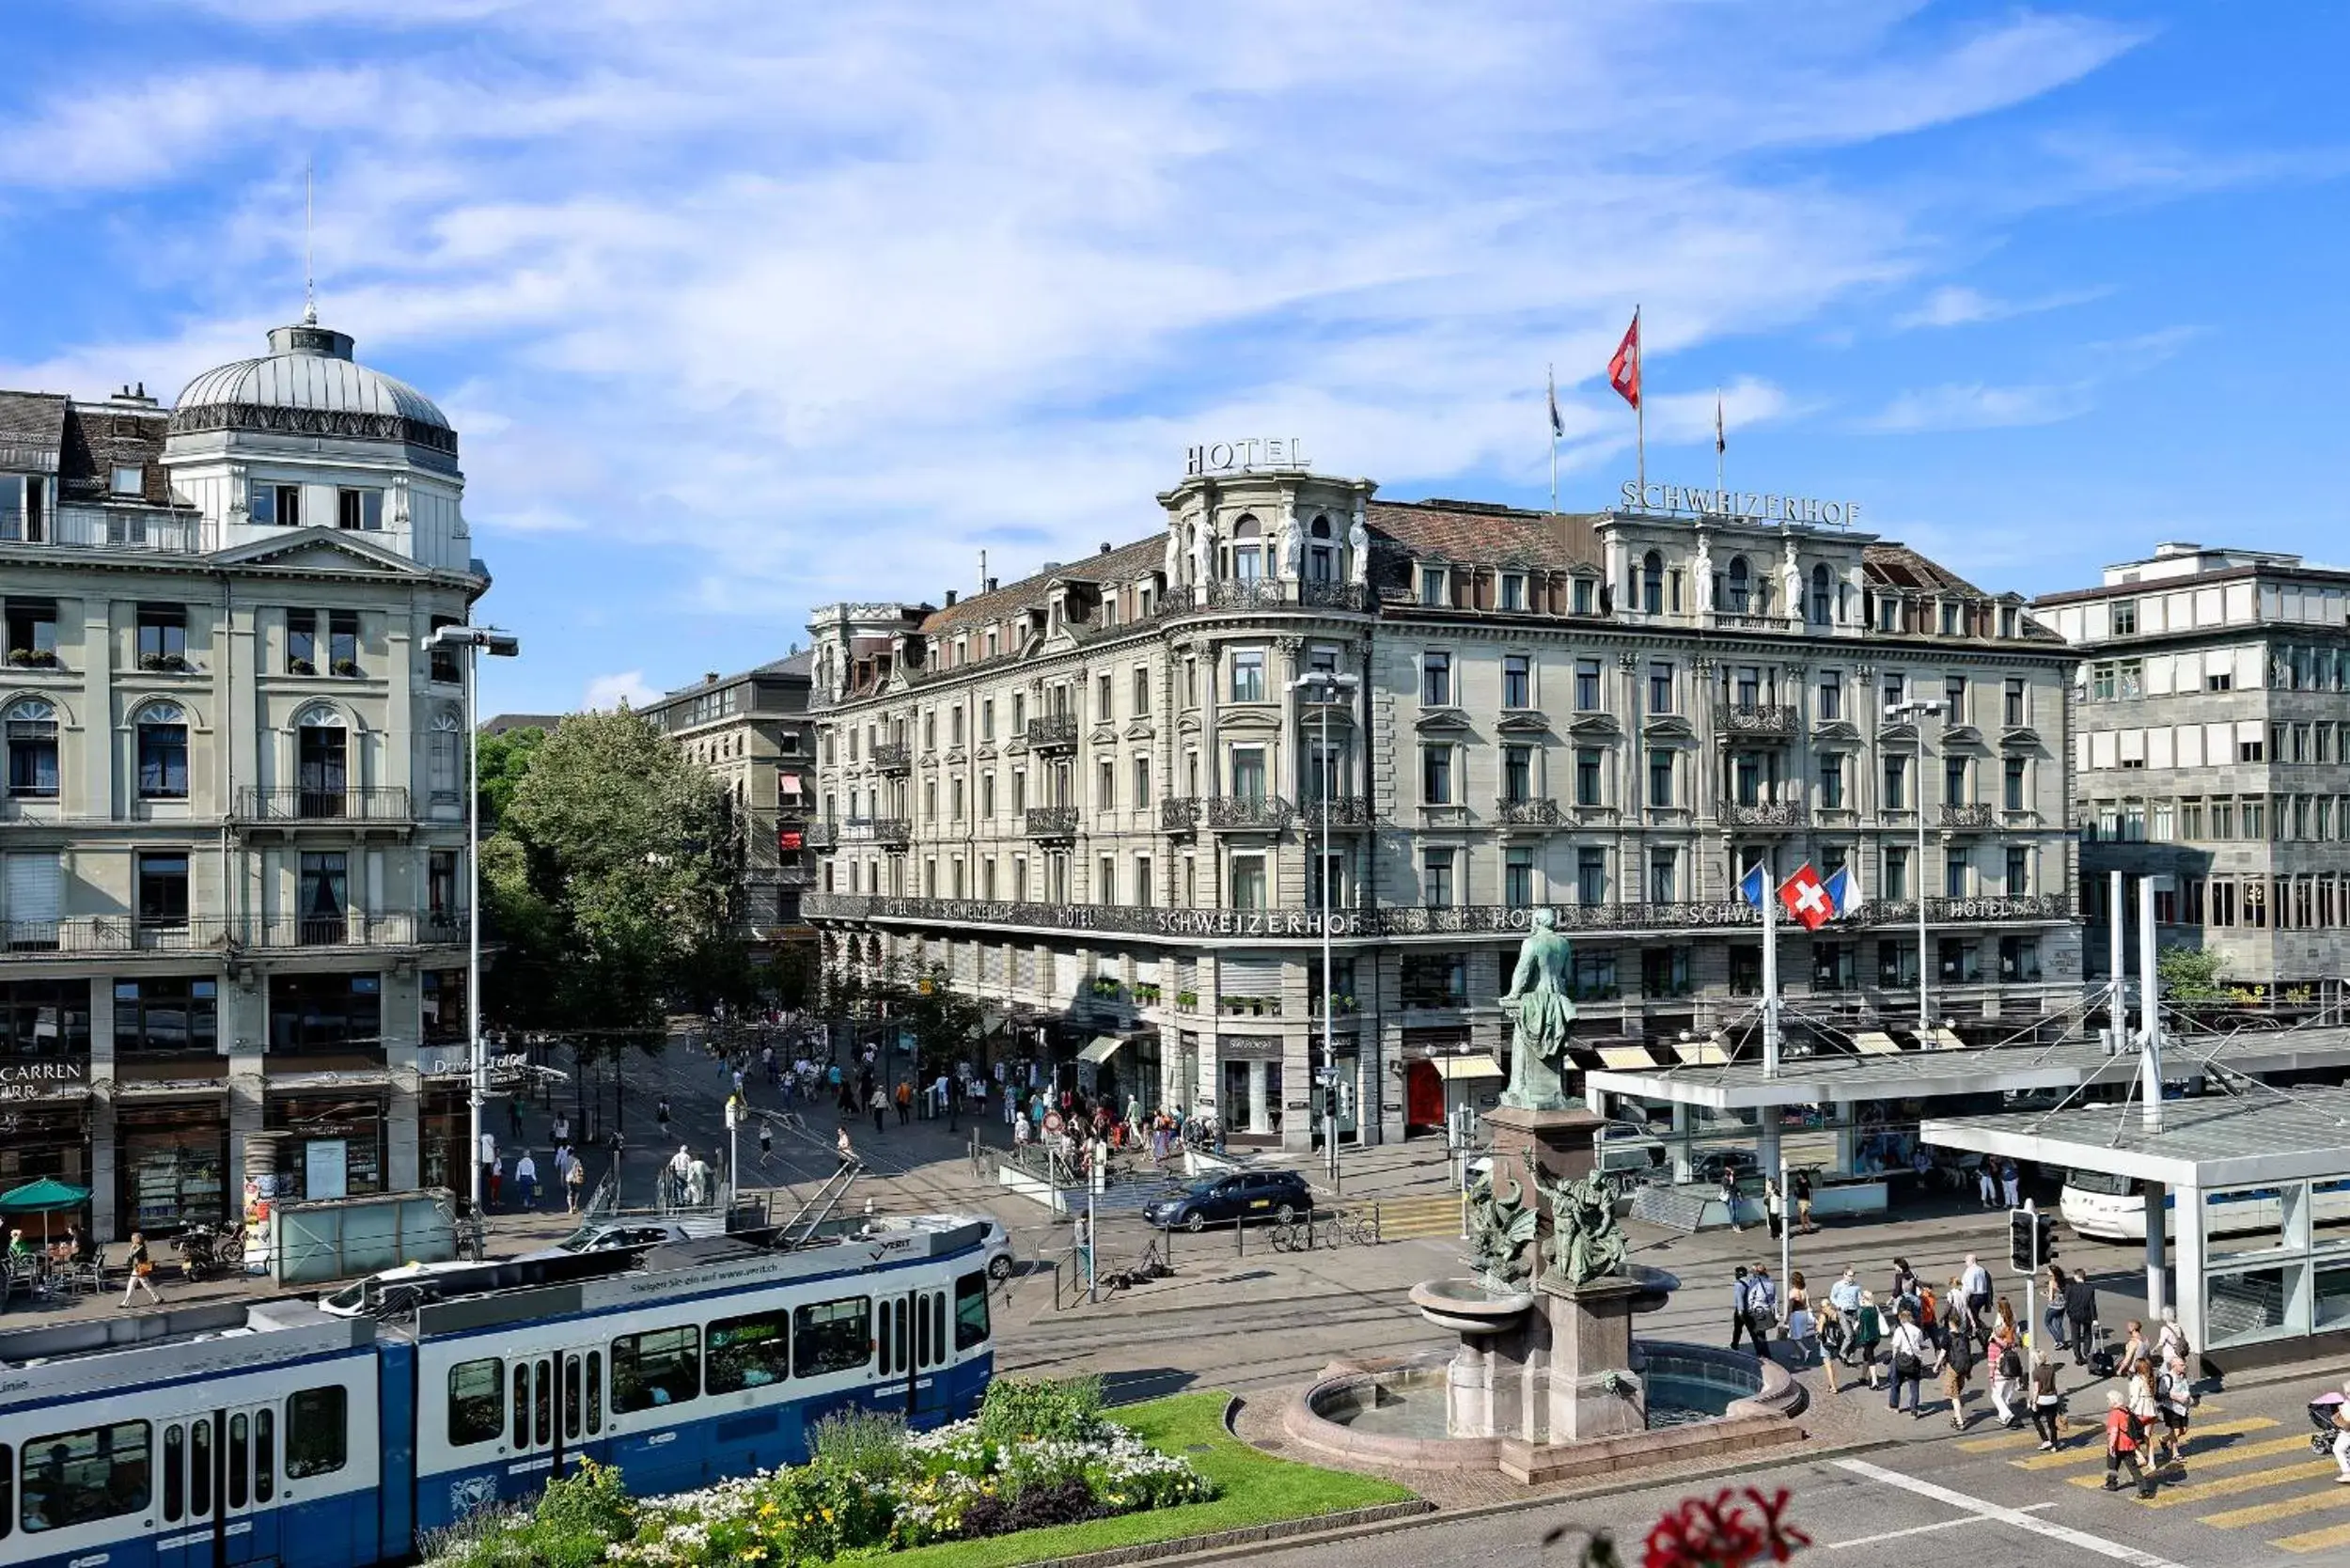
(1626,1057)
(1466,1069)
(990,1021)
(1104,1047)
(1702,1053)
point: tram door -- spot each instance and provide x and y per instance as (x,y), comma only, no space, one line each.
(219,1478)
(914,1345)
(554,1401)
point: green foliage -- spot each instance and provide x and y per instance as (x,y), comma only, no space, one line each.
(505,761)
(922,1000)
(1017,1410)
(2187,975)
(859,1442)
(571,1525)
(614,882)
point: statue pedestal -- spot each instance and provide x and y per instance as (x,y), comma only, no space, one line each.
(1563,1143)
(1590,1337)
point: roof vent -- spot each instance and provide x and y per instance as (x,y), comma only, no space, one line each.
(1105,547)
(991,585)
(950,598)
(710,678)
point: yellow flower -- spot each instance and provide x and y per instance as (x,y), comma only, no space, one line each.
(828,1516)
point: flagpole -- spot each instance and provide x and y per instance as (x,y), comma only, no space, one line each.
(1551,415)
(1720,444)
(1639,407)
(1770,971)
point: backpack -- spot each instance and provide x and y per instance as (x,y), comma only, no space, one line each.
(2010,1364)
(1925,1301)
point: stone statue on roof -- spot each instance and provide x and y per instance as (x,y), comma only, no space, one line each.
(1359,547)
(1203,550)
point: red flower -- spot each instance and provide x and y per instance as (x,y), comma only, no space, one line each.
(1717,1533)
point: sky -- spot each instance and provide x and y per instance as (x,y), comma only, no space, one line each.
(745,307)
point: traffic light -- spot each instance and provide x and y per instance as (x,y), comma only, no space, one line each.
(2023,1234)
(2046,1253)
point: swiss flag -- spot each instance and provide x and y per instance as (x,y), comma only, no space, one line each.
(1624,371)
(1806,898)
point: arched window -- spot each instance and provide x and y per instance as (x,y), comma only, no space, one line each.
(1741,590)
(440,755)
(321,761)
(31,730)
(1322,556)
(162,732)
(1248,550)
(1823,597)
(1652,583)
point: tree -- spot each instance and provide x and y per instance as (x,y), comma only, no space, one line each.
(505,763)
(2189,975)
(614,882)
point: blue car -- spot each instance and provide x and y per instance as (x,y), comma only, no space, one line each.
(1236,1200)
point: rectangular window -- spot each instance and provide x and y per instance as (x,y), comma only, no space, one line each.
(1896,878)
(32,632)
(1512,591)
(1586,596)
(1436,680)
(1954,699)
(1248,675)
(1590,875)
(1104,785)
(317,1432)
(1954,780)
(166,1015)
(1436,878)
(163,889)
(359,509)
(1660,688)
(2019,958)
(1249,771)
(1517,773)
(751,1352)
(1517,878)
(1832,782)
(1660,779)
(2015,709)
(2012,796)
(1106,890)
(1142,691)
(659,1367)
(2018,873)
(343,642)
(1431,586)
(1587,685)
(477,1402)
(1949,618)
(1436,774)
(1142,782)
(1586,776)
(1518,680)
(1142,881)
(971,1325)
(1896,782)
(987,718)
(832,1336)
(1892,689)
(1954,874)
(163,753)
(2248,751)
(1663,876)
(1248,882)
(79,1478)
(302,642)
(1434,979)
(277,504)
(1897,964)
(1831,695)
(1103,697)
(31,737)
(2126,617)
(163,632)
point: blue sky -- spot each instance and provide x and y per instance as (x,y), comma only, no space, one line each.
(744,307)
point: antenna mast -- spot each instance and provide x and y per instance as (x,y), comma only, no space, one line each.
(309,287)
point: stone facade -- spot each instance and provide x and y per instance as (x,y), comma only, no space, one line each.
(232,876)
(2212,748)
(1111,798)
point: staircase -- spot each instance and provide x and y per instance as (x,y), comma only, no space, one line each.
(1669,1208)
(1411,1218)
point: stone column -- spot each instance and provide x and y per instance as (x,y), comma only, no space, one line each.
(103,1172)
(1260,1107)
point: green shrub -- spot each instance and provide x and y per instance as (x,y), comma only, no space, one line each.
(862,1443)
(1017,1410)
(569,1526)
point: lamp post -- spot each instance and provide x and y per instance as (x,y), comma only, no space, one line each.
(1917,711)
(476,641)
(1329,684)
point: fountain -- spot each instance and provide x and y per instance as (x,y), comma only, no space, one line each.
(1548,1380)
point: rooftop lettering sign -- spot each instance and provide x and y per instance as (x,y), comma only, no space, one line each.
(1744,504)
(1240,457)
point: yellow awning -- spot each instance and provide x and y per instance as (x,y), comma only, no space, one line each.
(1104,1047)
(1464,1069)
(1875,1042)
(1626,1058)
(1700,1053)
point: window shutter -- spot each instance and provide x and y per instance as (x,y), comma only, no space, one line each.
(36,889)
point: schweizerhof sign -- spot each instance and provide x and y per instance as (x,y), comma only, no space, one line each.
(1744,504)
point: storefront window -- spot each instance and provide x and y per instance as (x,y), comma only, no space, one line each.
(173,1161)
(444,994)
(333,1148)
(44,1020)
(166,1015)
(325,1014)
(443,1133)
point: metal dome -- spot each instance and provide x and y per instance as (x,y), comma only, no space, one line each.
(309,384)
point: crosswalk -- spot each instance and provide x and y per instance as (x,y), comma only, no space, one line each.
(2230,1461)
(1411,1218)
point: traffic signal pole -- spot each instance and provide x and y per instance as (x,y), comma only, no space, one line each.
(2028,1250)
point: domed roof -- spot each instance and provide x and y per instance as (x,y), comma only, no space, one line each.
(309,384)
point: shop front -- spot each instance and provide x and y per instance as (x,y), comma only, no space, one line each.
(1248,1098)
(171,1162)
(444,1134)
(1114,1069)
(330,1144)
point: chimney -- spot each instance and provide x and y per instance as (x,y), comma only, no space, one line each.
(1105,547)
(710,678)
(950,598)
(991,585)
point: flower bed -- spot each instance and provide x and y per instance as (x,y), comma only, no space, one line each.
(1038,1455)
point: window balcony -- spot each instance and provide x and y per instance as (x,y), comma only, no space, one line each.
(1770,720)
(1765,813)
(297,804)
(1344,810)
(1249,813)
(214,934)
(1527,813)
(1053,732)
(893,757)
(1052,822)
(126,528)
(1968,816)
(1178,815)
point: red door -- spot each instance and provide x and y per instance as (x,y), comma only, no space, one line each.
(1423,1095)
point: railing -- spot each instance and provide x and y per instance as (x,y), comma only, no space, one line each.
(1740,620)
(1261,593)
(1272,924)
(204,934)
(99,528)
(1759,719)
(1527,813)
(823,834)
(1500,919)
(1053,730)
(295,804)
(1334,596)
(874,830)
(1768,813)
(1345,810)
(1052,822)
(1249,811)
(1968,816)
(1179,813)
(893,757)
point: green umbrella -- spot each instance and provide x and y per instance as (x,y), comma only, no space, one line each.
(43,1197)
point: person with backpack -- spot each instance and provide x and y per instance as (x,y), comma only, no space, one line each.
(2123,1436)
(1762,1308)
(1909,1364)
(1835,1334)
(2171,1339)
(2007,1377)
(2174,1401)
(1867,1328)
(2048,1401)
(1958,1358)
(2139,1394)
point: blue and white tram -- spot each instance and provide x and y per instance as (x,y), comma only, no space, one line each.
(2107,1207)
(276,1434)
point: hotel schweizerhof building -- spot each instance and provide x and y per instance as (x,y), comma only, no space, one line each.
(1097,796)
(232,835)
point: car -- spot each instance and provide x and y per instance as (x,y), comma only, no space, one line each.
(1741,1163)
(611,1235)
(1234,1198)
(1628,1132)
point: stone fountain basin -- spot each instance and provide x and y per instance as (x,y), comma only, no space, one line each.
(1468,1305)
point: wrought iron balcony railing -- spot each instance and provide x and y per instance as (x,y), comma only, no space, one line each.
(1768,813)
(1247,812)
(1053,732)
(1527,813)
(1052,822)
(304,804)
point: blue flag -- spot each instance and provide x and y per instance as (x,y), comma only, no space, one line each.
(1843,892)
(1754,888)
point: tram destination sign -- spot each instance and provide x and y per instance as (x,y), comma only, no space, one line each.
(1746,506)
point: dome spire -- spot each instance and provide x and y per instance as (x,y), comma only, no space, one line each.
(309,276)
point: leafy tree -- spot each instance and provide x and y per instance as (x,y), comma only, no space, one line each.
(615,883)
(2189,975)
(505,761)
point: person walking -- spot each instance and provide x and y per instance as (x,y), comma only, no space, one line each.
(2011,1184)
(2169,1338)
(1738,1289)
(2052,1312)
(488,1155)
(2139,1394)
(1802,1327)
(1975,1280)
(142,1269)
(1903,1294)
(1835,1338)
(2123,1435)
(497,1176)
(681,1174)
(1729,1194)
(1762,1308)
(2080,1316)
(661,1114)
(1799,1182)
(1909,1363)
(840,1147)
(2174,1401)
(879,1105)
(766,1141)
(2007,1377)
(1772,1206)
(527,1180)
(1845,1295)
(905,1102)
(1958,1361)
(2048,1401)
(562,1130)
(1867,1329)
(574,1184)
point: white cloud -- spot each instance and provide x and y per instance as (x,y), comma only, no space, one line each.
(1959,305)
(1975,406)
(610,691)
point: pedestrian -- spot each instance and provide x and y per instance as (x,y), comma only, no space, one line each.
(1867,1332)
(2174,1401)
(2133,1347)
(527,1180)
(2007,1377)
(661,1114)
(2052,1313)
(2012,1180)
(905,1102)
(1762,1308)
(840,1147)
(2047,1402)
(1835,1338)
(2171,1339)
(1986,1185)
(681,1174)
(2139,1394)
(488,1156)
(1909,1362)
(142,1269)
(1845,1295)
(1738,1308)
(2003,1321)
(1802,1330)
(574,1184)
(514,1116)
(1730,1196)
(1904,1294)
(2080,1316)
(879,1105)
(738,1083)
(766,1140)
(1800,1183)
(2123,1435)
(2341,1438)
(1771,1206)
(1958,1361)
(497,1175)
(561,1131)
(1975,1280)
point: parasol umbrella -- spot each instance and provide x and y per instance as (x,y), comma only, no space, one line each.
(43,1197)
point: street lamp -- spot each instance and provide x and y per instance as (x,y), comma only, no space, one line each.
(476,641)
(1916,710)
(1327,686)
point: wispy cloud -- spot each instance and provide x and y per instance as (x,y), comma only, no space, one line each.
(610,691)
(1955,306)
(1975,406)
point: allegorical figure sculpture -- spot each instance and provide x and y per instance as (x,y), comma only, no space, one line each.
(1501,1232)
(1587,1244)
(1542,1017)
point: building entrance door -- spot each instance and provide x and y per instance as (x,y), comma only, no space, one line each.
(1423,1095)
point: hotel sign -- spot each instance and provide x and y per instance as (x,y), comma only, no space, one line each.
(1744,504)
(1242,457)
(43,1080)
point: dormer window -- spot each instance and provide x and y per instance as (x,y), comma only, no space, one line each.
(1431,586)
(1513,590)
(1248,550)
(1586,596)
(1949,617)
(20,509)
(129,479)
(1322,556)
(988,643)
(1888,612)
(1652,583)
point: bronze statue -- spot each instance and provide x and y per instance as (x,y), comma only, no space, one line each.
(1587,1243)
(1541,1012)
(1501,1233)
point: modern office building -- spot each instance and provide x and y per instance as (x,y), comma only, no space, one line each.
(1124,800)
(232,835)
(2212,748)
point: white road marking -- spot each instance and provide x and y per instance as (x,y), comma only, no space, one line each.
(2021,1520)
(1921,1530)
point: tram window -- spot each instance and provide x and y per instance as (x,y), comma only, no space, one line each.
(175,1477)
(970,1312)
(896,1318)
(264,1454)
(236,1473)
(522,1404)
(938,1328)
(316,1431)
(749,1352)
(660,1367)
(922,1337)
(595,1392)
(544,1407)
(476,1403)
(8,1490)
(832,1336)
(78,1477)
(571,1398)
(200,1467)
(884,1342)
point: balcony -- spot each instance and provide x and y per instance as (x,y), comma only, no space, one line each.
(823,834)
(1260,593)
(1301,925)
(1250,813)
(1768,720)
(1334,596)
(893,757)
(1052,822)
(1527,813)
(1053,732)
(35,940)
(1342,811)
(1766,813)
(1969,817)
(876,830)
(1178,815)
(136,530)
(297,804)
